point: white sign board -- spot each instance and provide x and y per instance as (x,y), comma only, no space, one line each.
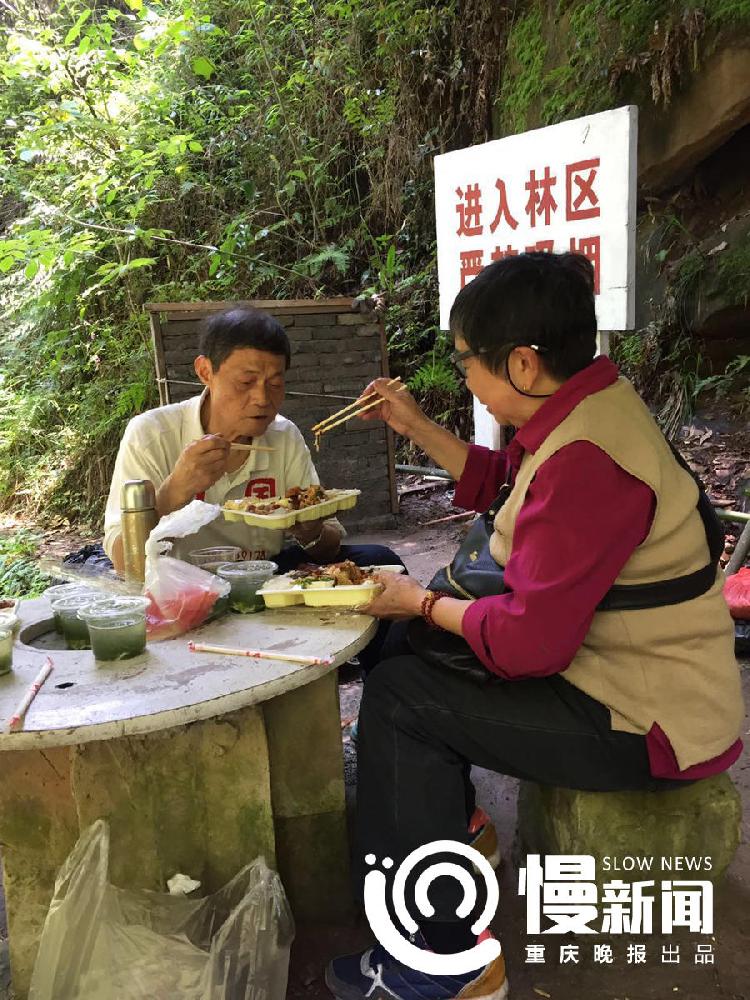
(570,186)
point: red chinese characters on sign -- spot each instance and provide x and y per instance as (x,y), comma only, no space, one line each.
(472,262)
(590,247)
(503,209)
(545,246)
(469,211)
(541,200)
(581,201)
(498,253)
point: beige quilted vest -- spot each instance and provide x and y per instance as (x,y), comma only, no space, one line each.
(673,665)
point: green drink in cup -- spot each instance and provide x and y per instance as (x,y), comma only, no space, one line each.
(6,650)
(246,579)
(116,626)
(67,622)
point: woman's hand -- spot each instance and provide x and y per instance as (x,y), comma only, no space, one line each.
(401,597)
(400,410)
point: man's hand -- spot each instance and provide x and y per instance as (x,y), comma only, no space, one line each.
(200,465)
(306,531)
(326,534)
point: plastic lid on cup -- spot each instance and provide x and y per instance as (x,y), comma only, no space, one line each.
(74,600)
(111,609)
(250,567)
(217,554)
(60,590)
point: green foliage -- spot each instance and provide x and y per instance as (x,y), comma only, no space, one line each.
(181,150)
(524,81)
(19,575)
(584,56)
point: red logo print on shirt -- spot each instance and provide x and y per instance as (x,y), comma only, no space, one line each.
(261,489)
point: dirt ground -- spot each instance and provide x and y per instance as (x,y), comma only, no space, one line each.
(425,546)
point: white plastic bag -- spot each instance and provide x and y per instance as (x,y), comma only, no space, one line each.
(104,943)
(182,596)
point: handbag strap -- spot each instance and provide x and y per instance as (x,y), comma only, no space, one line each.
(662,593)
(503,495)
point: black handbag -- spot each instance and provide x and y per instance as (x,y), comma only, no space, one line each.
(474,573)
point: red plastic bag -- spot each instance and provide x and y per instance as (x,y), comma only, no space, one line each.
(737,594)
(182,595)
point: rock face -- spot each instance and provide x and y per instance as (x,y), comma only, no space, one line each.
(699,821)
(713,104)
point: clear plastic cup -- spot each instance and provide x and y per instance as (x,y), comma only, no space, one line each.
(6,650)
(60,590)
(210,559)
(246,579)
(116,626)
(67,622)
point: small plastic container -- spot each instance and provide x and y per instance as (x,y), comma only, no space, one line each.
(246,579)
(67,622)
(6,650)
(210,559)
(9,614)
(116,626)
(282,592)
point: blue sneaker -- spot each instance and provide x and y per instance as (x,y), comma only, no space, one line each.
(374,974)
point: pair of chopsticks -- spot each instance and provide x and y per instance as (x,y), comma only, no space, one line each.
(16,720)
(256,654)
(238,446)
(371,400)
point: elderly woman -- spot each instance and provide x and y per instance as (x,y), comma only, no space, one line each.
(579,639)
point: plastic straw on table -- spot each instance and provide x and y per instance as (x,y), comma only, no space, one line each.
(256,654)
(17,718)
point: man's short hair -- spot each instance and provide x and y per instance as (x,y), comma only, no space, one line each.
(234,329)
(533,298)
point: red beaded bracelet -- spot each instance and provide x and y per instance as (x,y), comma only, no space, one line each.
(429,601)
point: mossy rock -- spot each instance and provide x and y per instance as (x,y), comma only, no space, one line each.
(701,822)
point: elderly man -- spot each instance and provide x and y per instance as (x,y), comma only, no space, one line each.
(184,449)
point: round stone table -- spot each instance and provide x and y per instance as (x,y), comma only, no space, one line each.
(200,762)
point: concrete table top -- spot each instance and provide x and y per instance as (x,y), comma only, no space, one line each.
(168,686)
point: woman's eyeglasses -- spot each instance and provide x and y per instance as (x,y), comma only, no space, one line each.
(457,358)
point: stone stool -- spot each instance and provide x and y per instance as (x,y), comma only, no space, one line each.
(699,821)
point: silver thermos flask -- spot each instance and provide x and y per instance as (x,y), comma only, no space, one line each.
(138,518)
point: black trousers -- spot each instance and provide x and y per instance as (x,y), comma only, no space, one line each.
(361,555)
(421,727)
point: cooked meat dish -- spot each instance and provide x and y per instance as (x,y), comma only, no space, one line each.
(343,574)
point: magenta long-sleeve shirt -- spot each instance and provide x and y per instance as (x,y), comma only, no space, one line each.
(581,520)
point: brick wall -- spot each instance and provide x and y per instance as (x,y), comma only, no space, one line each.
(334,351)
